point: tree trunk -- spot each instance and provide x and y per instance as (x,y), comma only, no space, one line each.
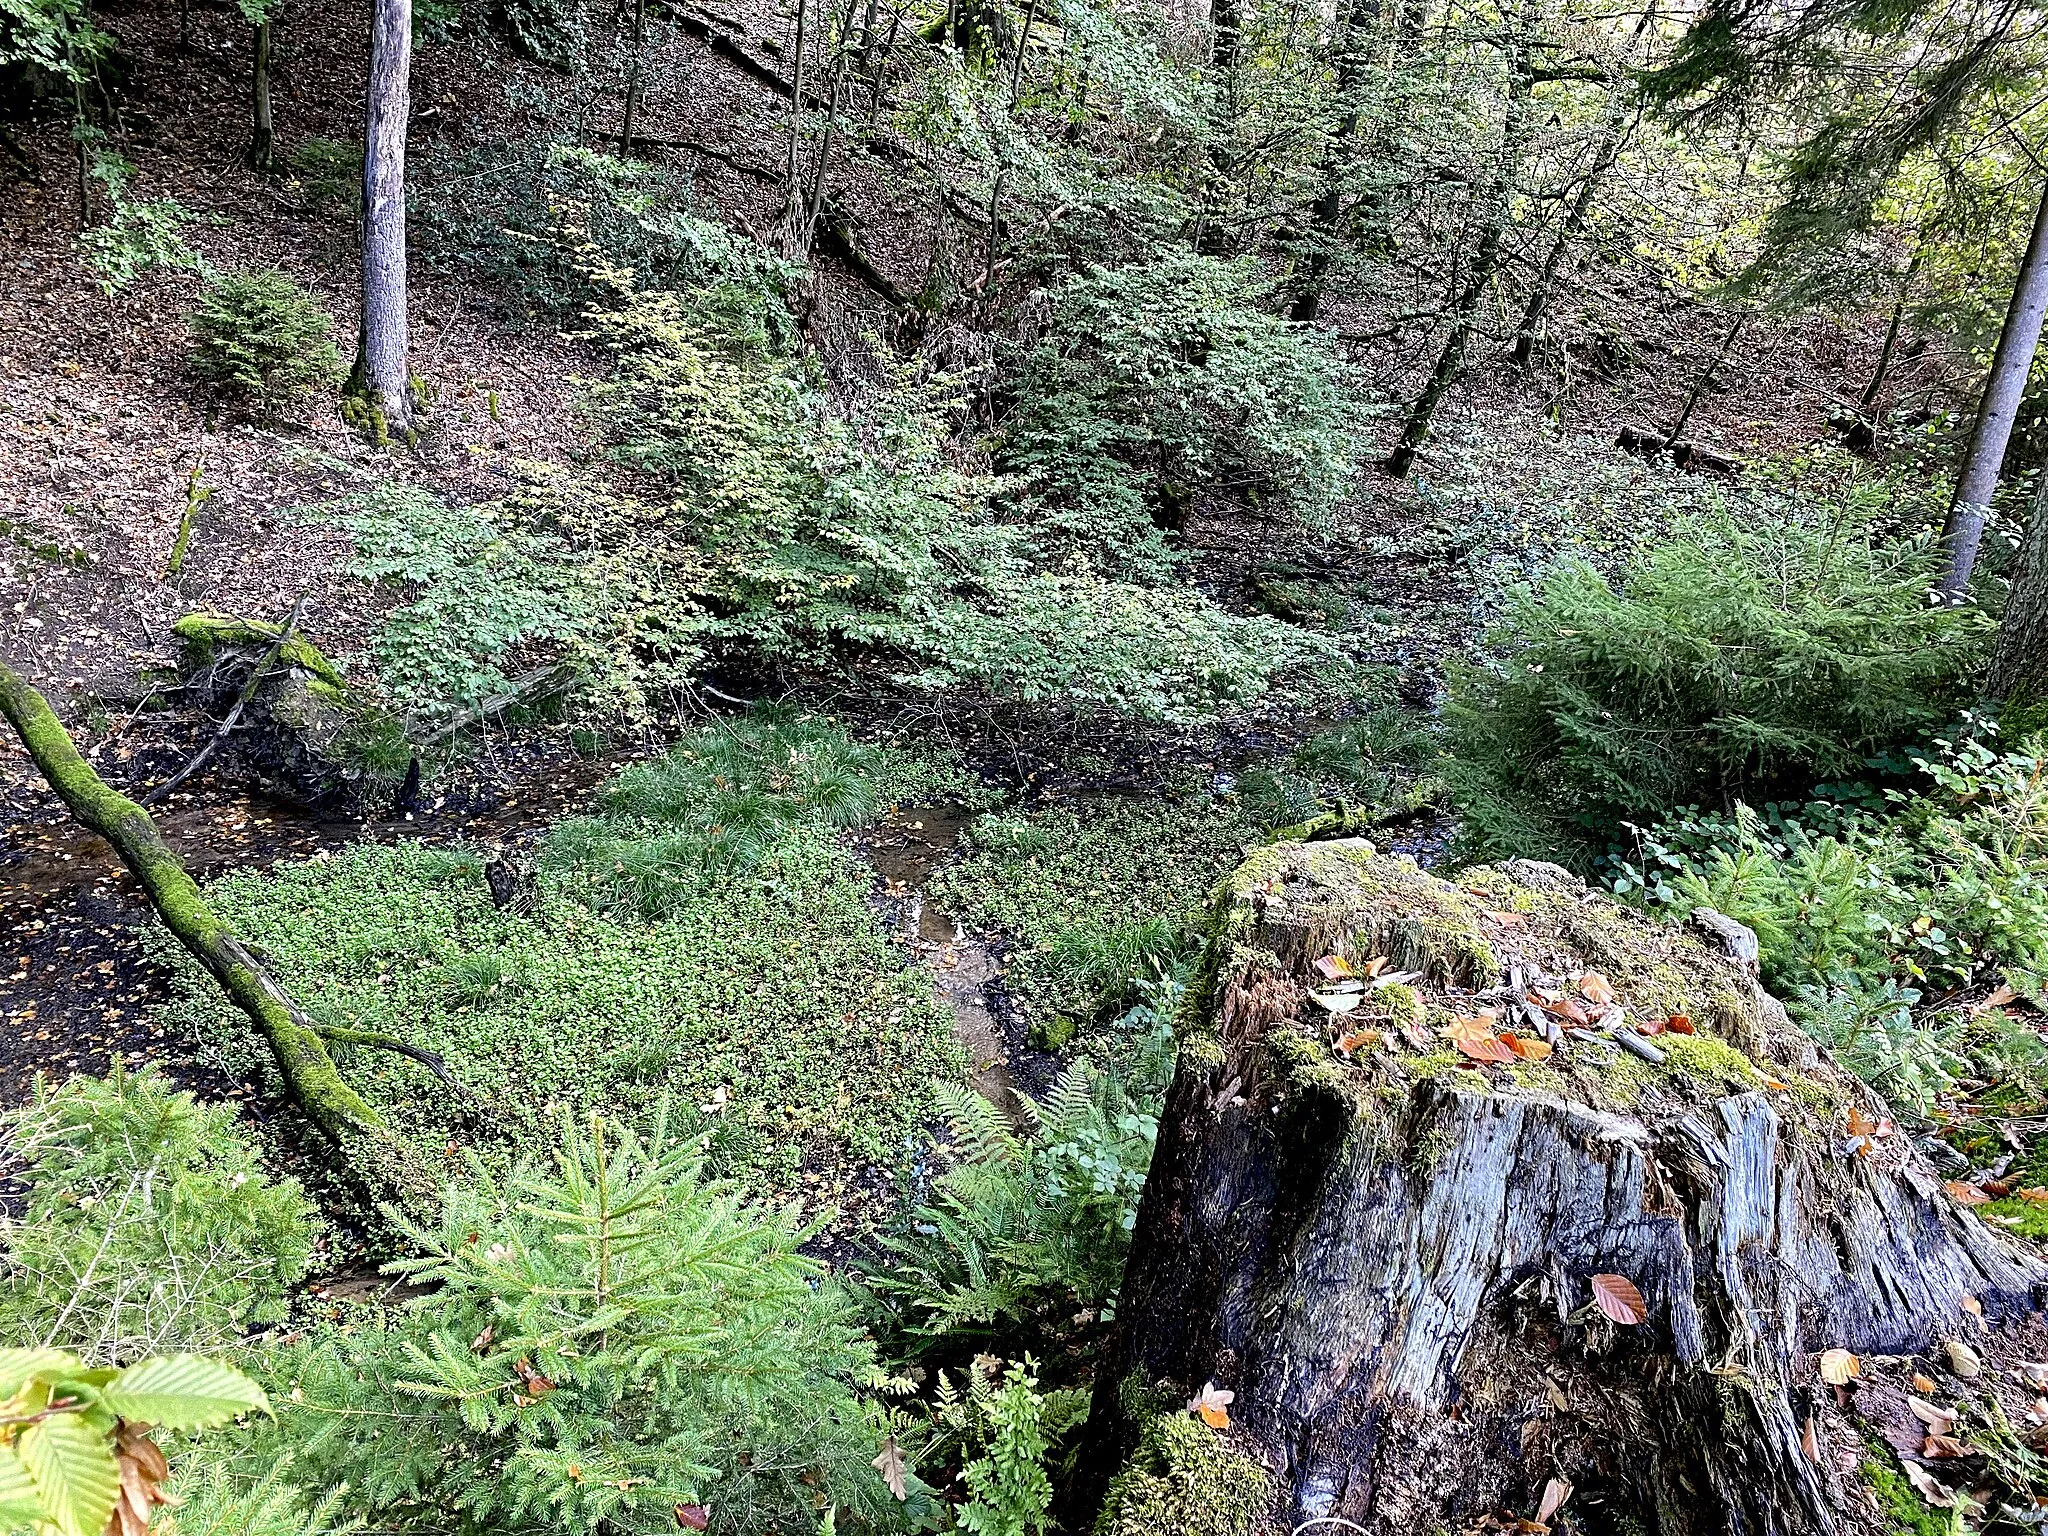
(1485,262)
(1574,225)
(2019,668)
(1386,1250)
(262,136)
(632,107)
(1703,378)
(1356,21)
(2007,383)
(302,1060)
(381,379)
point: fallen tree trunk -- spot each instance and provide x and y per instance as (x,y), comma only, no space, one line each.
(296,1042)
(1385,1245)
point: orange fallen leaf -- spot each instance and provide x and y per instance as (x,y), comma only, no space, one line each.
(2033,1194)
(1942,1447)
(1595,989)
(1566,1008)
(1680,1024)
(1527,1047)
(1333,967)
(1212,1405)
(1772,1082)
(1997,999)
(1617,1297)
(1473,1036)
(1966,1194)
(1356,1040)
(1650,1026)
(1922,1382)
(1375,965)
(1865,1133)
(1508,919)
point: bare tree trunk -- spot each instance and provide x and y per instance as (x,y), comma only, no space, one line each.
(2019,667)
(381,379)
(1891,335)
(2003,389)
(262,136)
(1574,225)
(1392,1262)
(1356,21)
(1485,261)
(793,199)
(1703,378)
(632,109)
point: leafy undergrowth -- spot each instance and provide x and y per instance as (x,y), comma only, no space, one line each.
(706,938)
(1094,893)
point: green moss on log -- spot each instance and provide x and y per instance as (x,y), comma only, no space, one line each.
(309,1072)
(1183,1478)
(207,634)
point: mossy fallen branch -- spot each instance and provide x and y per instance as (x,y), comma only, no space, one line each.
(295,1041)
(207,633)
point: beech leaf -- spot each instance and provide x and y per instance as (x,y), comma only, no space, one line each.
(1596,989)
(1965,1194)
(1618,1299)
(1555,1492)
(1838,1367)
(890,1465)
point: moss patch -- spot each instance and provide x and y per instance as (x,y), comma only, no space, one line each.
(1186,1479)
(1092,892)
(1905,1512)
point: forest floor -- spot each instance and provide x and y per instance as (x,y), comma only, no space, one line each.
(109,441)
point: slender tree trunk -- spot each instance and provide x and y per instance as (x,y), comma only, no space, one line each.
(262,137)
(1226,42)
(381,378)
(838,42)
(1703,378)
(632,109)
(1485,261)
(793,200)
(2019,667)
(1356,22)
(1574,225)
(2003,389)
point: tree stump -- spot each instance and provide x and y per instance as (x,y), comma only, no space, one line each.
(1385,1248)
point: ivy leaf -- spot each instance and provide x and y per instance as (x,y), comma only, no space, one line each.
(73,1471)
(1618,1299)
(183,1392)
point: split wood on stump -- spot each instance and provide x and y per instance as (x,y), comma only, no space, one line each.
(1386,1251)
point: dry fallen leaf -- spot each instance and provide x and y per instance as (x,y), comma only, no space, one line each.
(1357,1039)
(1566,1008)
(1973,1306)
(1595,989)
(1680,1024)
(1510,920)
(1997,999)
(1473,1036)
(1555,1492)
(2033,1194)
(1963,1360)
(1939,1421)
(1808,1443)
(1923,1382)
(1650,1026)
(1617,1297)
(1527,1047)
(1375,965)
(1212,1404)
(890,1465)
(1926,1486)
(693,1517)
(1865,1133)
(1942,1448)
(1965,1194)
(1838,1367)
(1333,967)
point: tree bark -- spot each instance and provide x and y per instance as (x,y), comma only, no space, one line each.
(309,1073)
(2019,667)
(1537,305)
(632,107)
(381,379)
(1386,1251)
(1356,21)
(2003,388)
(262,136)
(1485,262)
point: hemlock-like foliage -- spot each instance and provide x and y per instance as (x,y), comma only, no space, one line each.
(262,335)
(1008,1491)
(607,1338)
(149,1227)
(1733,661)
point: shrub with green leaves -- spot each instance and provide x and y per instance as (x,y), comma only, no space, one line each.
(78,1459)
(139,235)
(1008,1493)
(1864,908)
(608,1337)
(1164,379)
(149,1225)
(263,336)
(1734,662)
